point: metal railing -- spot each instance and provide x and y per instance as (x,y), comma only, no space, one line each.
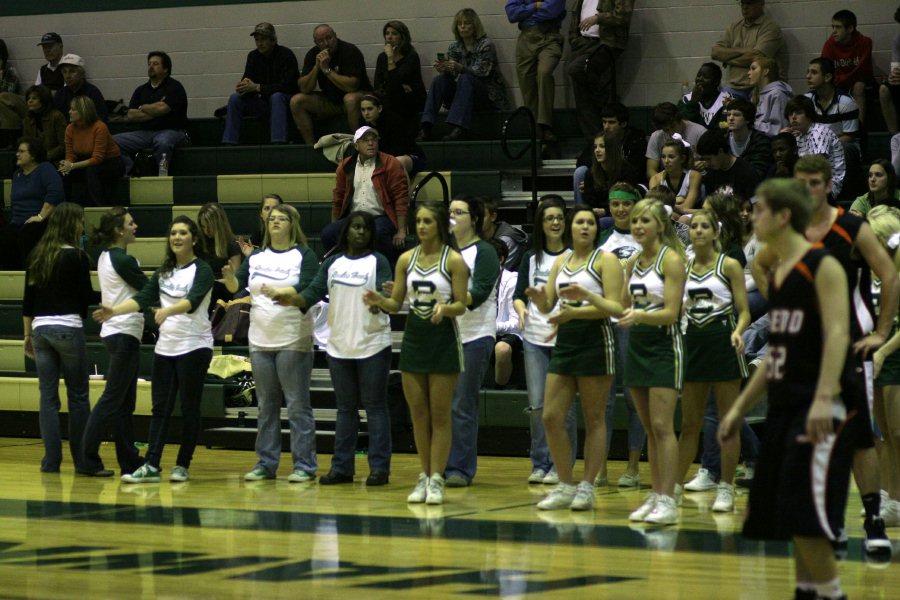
(415,193)
(531,145)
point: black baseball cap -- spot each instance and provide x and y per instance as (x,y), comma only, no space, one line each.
(50,38)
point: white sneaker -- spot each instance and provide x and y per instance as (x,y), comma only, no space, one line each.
(420,491)
(559,497)
(890,512)
(179,474)
(701,483)
(884,499)
(644,509)
(679,494)
(627,480)
(537,476)
(144,474)
(584,497)
(551,478)
(435,494)
(724,498)
(299,476)
(664,513)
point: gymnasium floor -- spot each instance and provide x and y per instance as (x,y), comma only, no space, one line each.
(216,536)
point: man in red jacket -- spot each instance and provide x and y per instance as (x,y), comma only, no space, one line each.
(373,182)
(851,52)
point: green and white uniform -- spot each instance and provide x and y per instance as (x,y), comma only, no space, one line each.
(655,355)
(120,279)
(426,347)
(890,370)
(709,303)
(584,347)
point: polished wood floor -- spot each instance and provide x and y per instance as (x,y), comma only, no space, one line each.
(66,536)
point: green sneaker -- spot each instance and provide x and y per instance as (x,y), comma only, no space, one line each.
(258,474)
(301,477)
(144,474)
(179,474)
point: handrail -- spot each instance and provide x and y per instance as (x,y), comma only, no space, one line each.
(532,145)
(415,193)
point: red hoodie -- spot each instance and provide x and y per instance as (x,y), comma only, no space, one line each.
(852,61)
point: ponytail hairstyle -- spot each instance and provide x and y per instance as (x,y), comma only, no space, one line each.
(64,227)
(726,211)
(657,210)
(106,233)
(683,148)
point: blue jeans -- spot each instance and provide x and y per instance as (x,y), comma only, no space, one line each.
(58,348)
(361,382)
(463,459)
(462,97)
(177,378)
(537,360)
(636,434)
(116,405)
(163,141)
(384,236)
(711,459)
(276,106)
(578,176)
(284,375)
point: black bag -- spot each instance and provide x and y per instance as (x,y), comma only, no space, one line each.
(231,322)
(144,164)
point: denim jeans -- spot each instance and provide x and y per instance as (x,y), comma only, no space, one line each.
(636,434)
(537,360)
(578,176)
(284,375)
(711,459)
(58,348)
(177,377)
(116,406)
(384,236)
(163,141)
(361,382)
(463,459)
(276,107)
(462,97)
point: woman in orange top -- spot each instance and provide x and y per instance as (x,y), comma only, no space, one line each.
(91,155)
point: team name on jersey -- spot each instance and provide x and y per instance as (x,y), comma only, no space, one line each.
(272,272)
(784,320)
(349,278)
(173,289)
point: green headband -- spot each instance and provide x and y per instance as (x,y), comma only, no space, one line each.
(623,195)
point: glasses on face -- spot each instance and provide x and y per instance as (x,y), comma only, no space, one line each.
(278,219)
(554,218)
(457,212)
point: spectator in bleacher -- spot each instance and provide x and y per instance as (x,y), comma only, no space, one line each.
(607,168)
(705,103)
(265,88)
(598,33)
(548,243)
(159,108)
(374,182)
(217,246)
(339,70)
(679,176)
(394,136)
(36,189)
(814,137)
(50,75)
(359,348)
(616,130)
(45,122)
(538,50)
(509,338)
(723,169)
(12,105)
(120,278)
(755,33)
(784,153)
(72,67)
(770,95)
(268,202)
(668,122)
(468,78)
(745,142)
(181,288)
(477,332)
(882,189)
(92,155)
(513,237)
(851,53)
(398,75)
(57,295)
(889,91)
(281,349)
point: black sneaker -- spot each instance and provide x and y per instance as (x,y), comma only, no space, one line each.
(840,545)
(877,545)
(333,478)
(377,478)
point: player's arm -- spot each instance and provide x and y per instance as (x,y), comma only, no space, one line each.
(763,263)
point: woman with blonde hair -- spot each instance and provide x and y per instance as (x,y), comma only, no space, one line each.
(770,95)
(92,154)
(218,247)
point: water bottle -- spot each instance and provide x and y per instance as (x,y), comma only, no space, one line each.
(164,166)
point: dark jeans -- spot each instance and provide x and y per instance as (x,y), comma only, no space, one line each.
(100,180)
(384,236)
(361,382)
(711,459)
(116,406)
(58,348)
(275,107)
(463,96)
(592,69)
(17,242)
(185,374)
